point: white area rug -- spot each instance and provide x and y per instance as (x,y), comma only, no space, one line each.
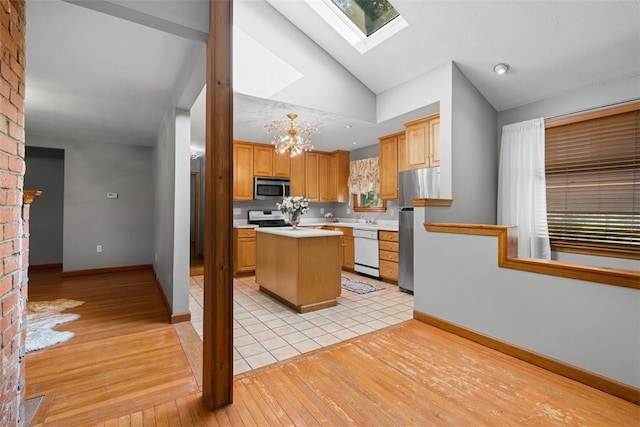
(42,316)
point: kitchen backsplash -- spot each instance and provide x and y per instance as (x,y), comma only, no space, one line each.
(339,210)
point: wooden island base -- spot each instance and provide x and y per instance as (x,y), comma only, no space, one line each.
(299,268)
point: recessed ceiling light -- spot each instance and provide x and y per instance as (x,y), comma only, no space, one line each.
(347,126)
(501,68)
(355,143)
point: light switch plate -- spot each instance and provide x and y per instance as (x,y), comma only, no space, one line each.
(237,211)
(112,195)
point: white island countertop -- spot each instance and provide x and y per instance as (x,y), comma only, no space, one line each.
(298,233)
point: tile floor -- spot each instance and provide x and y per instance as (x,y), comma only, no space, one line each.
(266,331)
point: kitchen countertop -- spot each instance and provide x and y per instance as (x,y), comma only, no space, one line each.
(384,225)
(298,233)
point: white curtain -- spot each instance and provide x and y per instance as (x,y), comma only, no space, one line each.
(522,196)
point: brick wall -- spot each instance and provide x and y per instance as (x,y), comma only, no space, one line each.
(13,215)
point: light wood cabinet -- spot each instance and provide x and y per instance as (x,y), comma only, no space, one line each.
(339,170)
(389,166)
(262,160)
(252,159)
(423,142)
(326,189)
(281,165)
(297,180)
(324,176)
(388,255)
(311,170)
(242,171)
(244,251)
(266,162)
(348,257)
(347,254)
(319,176)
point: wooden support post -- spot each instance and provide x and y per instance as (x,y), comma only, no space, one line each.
(218,280)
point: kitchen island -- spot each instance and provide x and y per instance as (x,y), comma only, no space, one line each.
(299,267)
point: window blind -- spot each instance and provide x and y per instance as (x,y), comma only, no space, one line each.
(593,182)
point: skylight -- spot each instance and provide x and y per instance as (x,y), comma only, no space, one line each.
(369,16)
(362,23)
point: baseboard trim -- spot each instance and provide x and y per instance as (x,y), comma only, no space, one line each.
(173,318)
(105,270)
(45,266)
(181,317)
(591,379)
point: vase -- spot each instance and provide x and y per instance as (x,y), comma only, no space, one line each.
(294,219)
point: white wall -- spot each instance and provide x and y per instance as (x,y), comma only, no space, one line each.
(324,85)
(123,226)
(575,101)
(589,325)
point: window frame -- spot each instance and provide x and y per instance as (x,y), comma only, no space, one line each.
(594,248)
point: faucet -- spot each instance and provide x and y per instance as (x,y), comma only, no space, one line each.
(372,221)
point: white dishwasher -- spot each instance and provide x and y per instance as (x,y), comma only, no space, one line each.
(366,254)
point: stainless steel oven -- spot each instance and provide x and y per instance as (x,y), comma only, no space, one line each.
(270,188)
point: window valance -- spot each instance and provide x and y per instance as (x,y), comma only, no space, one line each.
(364,175)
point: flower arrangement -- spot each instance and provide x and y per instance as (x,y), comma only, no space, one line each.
(295,206)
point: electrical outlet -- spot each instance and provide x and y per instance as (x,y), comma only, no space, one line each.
(112,195)
(321,211)
(392,211)
(348,211)
(99,248)
(237,212)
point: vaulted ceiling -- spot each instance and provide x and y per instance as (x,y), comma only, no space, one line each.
(105,71)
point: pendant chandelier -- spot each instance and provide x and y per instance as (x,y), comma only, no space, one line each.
(287,138)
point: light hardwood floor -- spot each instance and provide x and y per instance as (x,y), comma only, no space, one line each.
(126,367)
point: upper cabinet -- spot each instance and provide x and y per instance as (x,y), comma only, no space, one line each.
(389,162)
(422,143)
(251,159)
(242,171)
(417,147)
(321,176)
(266,162)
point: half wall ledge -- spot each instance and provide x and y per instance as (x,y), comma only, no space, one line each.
(508,257)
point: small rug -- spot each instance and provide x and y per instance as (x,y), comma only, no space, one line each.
(42,316)
(357,286)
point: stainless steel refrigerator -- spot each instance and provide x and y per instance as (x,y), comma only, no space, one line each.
(413,184)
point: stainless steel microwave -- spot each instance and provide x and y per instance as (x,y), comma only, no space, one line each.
(270,188)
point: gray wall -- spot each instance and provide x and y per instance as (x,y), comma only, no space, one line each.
(589,325)
(123,226)
(474,161)
(171,207)
(566,319)
(45,172)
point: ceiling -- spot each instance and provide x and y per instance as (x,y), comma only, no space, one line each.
(91,76)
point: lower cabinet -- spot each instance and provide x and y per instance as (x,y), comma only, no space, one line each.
(346,243)
(244,251)
(388,250)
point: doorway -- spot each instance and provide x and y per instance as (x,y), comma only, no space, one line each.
(44,170)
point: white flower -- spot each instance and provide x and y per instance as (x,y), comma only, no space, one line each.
(297,205)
